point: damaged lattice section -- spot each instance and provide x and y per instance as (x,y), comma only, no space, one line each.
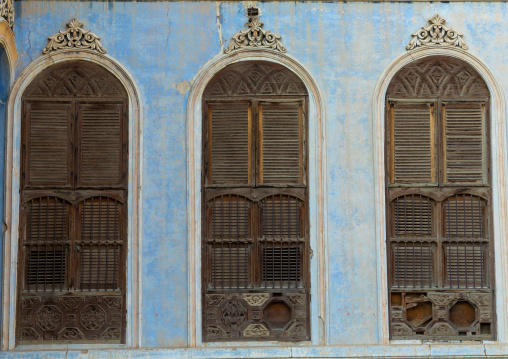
(256,316)
(441,315)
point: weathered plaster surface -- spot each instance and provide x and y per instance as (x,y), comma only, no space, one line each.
(346,47)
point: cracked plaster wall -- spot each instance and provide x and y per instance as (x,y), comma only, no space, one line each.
(345,46)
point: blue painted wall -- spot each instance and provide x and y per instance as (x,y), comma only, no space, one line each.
(345,46)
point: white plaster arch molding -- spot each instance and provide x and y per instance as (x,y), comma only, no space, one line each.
(9,45)
(499,166)
(317,190)
(12,180)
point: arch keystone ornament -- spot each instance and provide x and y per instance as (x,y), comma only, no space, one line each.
(75,37)
(436,34)
(7,11)
(255,37)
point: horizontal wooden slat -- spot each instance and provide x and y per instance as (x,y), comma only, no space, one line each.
(464,143)
(46,220)
(412,143)
(101,219)
(48,139)
(282,147)
(229,143)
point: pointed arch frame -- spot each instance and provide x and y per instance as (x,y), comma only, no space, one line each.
(499,165)
(12,184)
(317,190)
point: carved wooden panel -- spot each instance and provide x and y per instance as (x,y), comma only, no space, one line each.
(52,317)
(441,256)
(259,316)
(255,214)
(77,79)
(254,79)
(436,315)
(437,76)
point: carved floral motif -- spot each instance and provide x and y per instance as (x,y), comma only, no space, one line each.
(71,302)
(214,299)
(256,299)
(48,317)
(234,314)
(436,34)
(255,37)
(29,334)
(30,302)
(111,334)
(70,334)
(481,299)
(297,330)
(7,11)
(401,329)
(92,317)
(256,330)
(75,37)
(113,302)
(441,298)
(296,299)
(442,329)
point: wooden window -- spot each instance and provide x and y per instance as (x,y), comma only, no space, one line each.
(255,212)
(438,194)
(73,207)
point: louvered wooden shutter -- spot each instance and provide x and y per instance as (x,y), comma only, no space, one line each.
(47,138)
(282,241)
(46,243)
(229,238)
(229,141)
(412,143)
(412,216)
(463,143)
(101,160)
(281,143)
(413,264)
(101,243)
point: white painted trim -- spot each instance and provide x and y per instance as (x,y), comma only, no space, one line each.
(498,160)
(12,178)
(317,193)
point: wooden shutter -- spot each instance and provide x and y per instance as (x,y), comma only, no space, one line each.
(465,264)
(412,216)
(101,244)
(48,132)
(463,142)
(281,143)
(45,243)
(413,264)
(101,137)
(464,217)
(229,136)
(412,143)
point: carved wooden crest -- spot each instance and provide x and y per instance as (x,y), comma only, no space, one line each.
(7,11)
(255,37)
(75,37)
(436,34)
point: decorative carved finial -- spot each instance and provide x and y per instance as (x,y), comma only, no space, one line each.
(255,36)
(75,37)
(436,34)
(7,12)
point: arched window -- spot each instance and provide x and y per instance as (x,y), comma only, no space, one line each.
(440,247)
(255,205)
(73,211)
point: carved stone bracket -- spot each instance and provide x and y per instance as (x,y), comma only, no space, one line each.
(7,11)
(75,37)
(255,37)
(436,34)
